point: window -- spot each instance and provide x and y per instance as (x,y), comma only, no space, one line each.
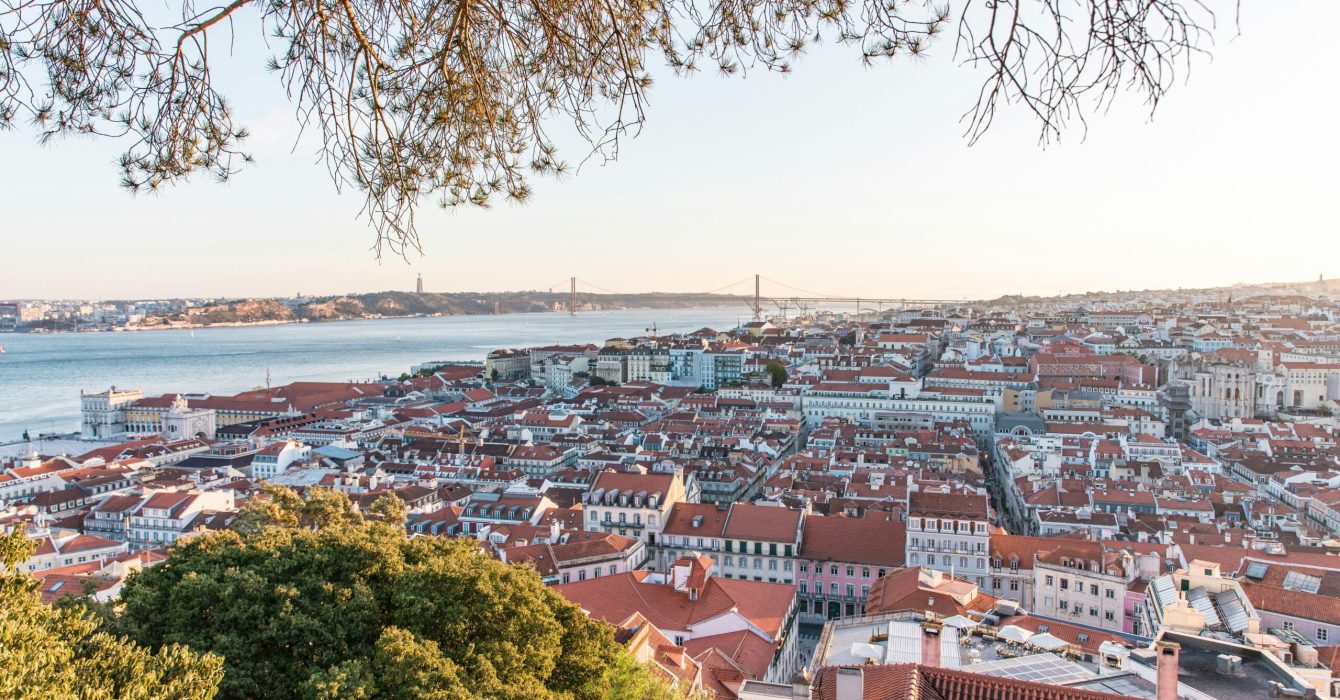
(865,572)
(758,563)
(1288,625)
(730,561)
(1050,581)
(851,572)
(1065,584)
(833,589)
(832,570)
(772,565)
(804,587)
(1093,612)
(963,562)
(930,560)
(1111,593)
(786,566)
(1110,616)
(613,569)
(804,568)
(772,549)
(1014,584)
(1093,589)
(1322,634)
(1065,605)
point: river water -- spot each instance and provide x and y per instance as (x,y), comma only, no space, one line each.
(41,375)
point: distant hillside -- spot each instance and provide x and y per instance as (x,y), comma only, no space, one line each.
(243,311)
(396,304)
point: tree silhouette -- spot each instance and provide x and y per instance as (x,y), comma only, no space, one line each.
(449,99)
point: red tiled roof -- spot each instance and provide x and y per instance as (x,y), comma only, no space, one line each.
(614,598)
(877,539)
(767,523)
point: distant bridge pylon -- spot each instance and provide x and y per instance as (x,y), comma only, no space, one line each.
(801,299)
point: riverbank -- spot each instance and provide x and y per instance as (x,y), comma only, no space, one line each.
(323,312)
(43,373)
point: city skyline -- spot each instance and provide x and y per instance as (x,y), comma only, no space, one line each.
(708,195)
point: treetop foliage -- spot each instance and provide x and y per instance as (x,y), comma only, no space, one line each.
(450,100)
(59,653)
(311,599)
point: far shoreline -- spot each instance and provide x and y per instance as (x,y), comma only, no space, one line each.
(250,324)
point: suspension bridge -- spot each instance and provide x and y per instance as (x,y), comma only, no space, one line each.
(780,295)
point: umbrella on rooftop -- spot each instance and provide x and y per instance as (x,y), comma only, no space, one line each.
(960,622)
(1047,641)
(1014,633)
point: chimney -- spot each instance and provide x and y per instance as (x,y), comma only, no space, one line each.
(930,643)
(850,683)
(1167,669)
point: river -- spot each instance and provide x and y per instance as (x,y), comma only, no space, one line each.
(41,375)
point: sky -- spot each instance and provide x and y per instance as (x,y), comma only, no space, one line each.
(837,179)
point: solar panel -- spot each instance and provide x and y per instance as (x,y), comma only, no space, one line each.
(1040,668)
(1302,582)
(1200,600)
(1235,615)
(1165,591)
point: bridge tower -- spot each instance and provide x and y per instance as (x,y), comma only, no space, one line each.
(758,306)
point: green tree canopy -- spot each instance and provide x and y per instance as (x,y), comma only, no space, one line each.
(776,373)
(310,599)
(55,653)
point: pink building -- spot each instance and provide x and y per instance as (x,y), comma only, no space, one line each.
(841,558)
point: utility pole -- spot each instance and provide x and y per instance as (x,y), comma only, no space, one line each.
(758,307)
(572,298)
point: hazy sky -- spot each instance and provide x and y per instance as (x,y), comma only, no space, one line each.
(836,179)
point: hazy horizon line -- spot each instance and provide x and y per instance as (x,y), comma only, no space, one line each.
(724,295)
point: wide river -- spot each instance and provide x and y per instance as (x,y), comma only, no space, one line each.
(41,375)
